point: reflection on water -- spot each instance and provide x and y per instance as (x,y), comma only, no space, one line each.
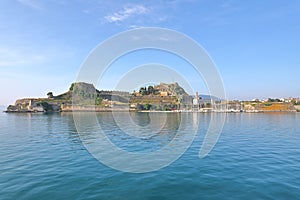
(141,131)
(141,119)
(161,122)
(118,138)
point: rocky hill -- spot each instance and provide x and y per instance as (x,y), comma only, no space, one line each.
(160,97)
(81,94)
(172,89)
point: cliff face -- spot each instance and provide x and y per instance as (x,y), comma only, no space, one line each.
(85,93)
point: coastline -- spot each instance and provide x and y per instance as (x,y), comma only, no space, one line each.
(84,97)
(151,111)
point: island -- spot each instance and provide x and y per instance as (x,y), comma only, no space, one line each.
(170,97)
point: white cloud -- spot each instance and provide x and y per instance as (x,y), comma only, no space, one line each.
(126,13)
(31,3)
(136,26)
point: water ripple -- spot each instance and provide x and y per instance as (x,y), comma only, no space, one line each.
(257,157)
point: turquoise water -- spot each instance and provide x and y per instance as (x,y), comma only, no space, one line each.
(257,157)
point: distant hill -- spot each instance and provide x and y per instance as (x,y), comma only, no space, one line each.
(207,97)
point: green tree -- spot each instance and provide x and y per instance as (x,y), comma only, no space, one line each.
(150,89)
(147,106)
(271,100)
(143,91)
(50,95)
(98,101)
(71,87)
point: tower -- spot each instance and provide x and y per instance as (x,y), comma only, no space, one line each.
(196,102)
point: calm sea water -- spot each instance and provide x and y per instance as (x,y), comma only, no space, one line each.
(257,157)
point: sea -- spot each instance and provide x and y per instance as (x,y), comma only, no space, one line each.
(43,156)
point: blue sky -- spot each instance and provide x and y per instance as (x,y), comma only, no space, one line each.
(254,44)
